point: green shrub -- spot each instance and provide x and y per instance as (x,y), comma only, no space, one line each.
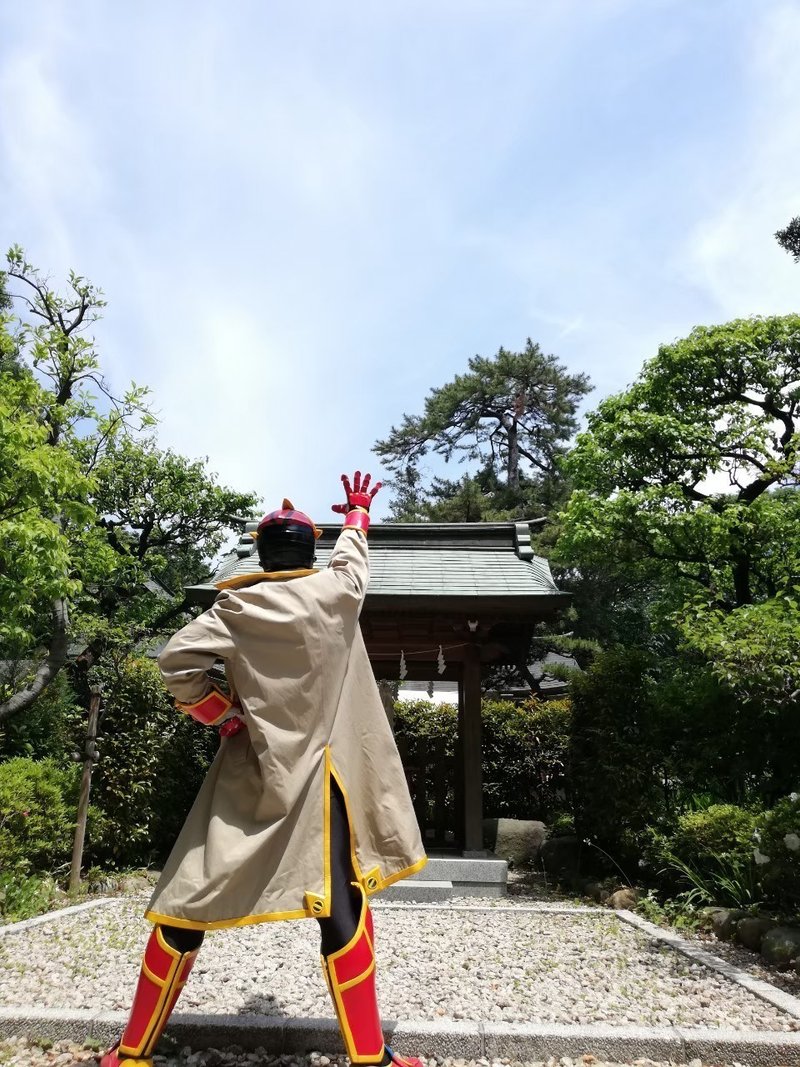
(422,718)
(720,830)
(562,825)
(152,762)
(777,836)
(25,895)
(707,857)
(37,814)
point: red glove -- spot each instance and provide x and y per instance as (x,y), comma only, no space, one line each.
(358,501)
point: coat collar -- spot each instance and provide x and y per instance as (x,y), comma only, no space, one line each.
(242,580)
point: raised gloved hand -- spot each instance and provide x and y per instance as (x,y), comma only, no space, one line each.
(359,499)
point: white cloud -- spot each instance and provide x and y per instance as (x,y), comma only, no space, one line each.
(302,223)
(732,254)
(47,155)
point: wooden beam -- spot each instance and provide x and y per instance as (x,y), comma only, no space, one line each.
(471,747)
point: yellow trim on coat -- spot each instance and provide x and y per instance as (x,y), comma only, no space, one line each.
(326,832)
(353,857)
(392,878)
(270,576)
(223,924)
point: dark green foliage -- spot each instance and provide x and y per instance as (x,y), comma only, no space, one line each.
(712,572)
(52,728)
(524,755)
(614,753)
(730,856)
(789,239)
(722,830)
(779,839)
(152,762)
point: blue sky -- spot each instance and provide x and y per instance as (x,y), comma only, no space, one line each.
(305,216)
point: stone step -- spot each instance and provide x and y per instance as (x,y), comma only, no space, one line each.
(419,892)
(462,871)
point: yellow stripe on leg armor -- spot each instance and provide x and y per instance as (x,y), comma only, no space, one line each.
(163,974)
(359,1019)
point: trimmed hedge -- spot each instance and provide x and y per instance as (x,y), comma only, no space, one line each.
(37,814)
(524,751)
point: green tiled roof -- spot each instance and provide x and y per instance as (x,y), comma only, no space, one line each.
(431,562)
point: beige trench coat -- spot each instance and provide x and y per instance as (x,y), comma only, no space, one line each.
(255,846)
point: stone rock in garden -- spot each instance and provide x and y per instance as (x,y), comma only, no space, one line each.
(516,840)
(623,899)
(706,916)
(751,929)
(723,922)
(134,883)
(560,855)
(781,945)
(595,890)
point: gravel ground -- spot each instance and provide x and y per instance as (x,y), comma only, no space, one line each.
(22,1054)
(433,964)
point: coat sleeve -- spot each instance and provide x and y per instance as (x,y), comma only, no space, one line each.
(188,655)
(349,563)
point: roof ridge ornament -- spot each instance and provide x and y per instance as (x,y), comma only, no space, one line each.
(522,537)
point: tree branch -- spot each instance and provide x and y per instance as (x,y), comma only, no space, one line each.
(48,669)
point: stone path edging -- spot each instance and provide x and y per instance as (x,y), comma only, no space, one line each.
(51,916)
(777,997)
(522,909)
(463,1040)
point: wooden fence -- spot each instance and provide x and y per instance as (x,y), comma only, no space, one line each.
(431,776)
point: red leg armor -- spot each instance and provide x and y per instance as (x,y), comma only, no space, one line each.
(163,975)
(350,976)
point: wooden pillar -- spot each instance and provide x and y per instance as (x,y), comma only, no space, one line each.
(89,759)
(471,749)
(459,767)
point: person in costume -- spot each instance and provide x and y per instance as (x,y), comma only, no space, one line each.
(305,811)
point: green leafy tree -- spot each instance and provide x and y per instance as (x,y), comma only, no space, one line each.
(47,522)
(98,528)
(687,482)
(164,516)
(511,415)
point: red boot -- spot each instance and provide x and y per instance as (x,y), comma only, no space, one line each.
(404,1061)
(163,975)
(350,975)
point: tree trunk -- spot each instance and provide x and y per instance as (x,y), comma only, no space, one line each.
(513,456)
(89,758)
(47,671)
(741,580)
